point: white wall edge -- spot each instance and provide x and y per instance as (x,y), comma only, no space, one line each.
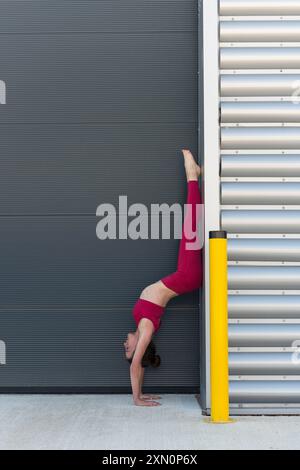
(211,135)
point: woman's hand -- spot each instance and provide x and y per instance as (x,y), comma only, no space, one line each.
(140,402)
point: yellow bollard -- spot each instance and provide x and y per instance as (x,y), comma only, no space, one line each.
(219,374)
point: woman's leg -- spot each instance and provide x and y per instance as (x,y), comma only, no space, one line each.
(188,275)
(189,268)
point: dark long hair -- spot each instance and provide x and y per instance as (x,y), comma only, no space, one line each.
(150,358)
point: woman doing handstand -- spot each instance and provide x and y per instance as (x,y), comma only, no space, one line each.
(139,348)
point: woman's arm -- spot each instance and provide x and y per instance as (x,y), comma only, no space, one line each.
(135,377)
(141,380)
(148,396)
(137,374)
(137,371)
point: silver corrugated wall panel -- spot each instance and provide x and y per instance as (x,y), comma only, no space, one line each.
(260,165)
(249,112)
(264,306)
(263,335)
(260,195)
(259,85)
(259,31)
(263,363)
(263,249)
(261,221)
(264,277)
(264,391)
(260,58)
(258,7)
(260,138)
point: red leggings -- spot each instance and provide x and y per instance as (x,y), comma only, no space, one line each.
(189,266)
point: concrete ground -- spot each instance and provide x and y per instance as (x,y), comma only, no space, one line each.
(112,422)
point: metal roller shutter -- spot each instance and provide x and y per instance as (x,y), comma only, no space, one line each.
(259,200)
(101,97)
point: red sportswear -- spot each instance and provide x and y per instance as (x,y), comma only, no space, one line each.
(188,275)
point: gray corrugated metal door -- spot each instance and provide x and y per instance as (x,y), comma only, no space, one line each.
(260,197)
(100,98)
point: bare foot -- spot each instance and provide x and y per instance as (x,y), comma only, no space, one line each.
(192,169)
